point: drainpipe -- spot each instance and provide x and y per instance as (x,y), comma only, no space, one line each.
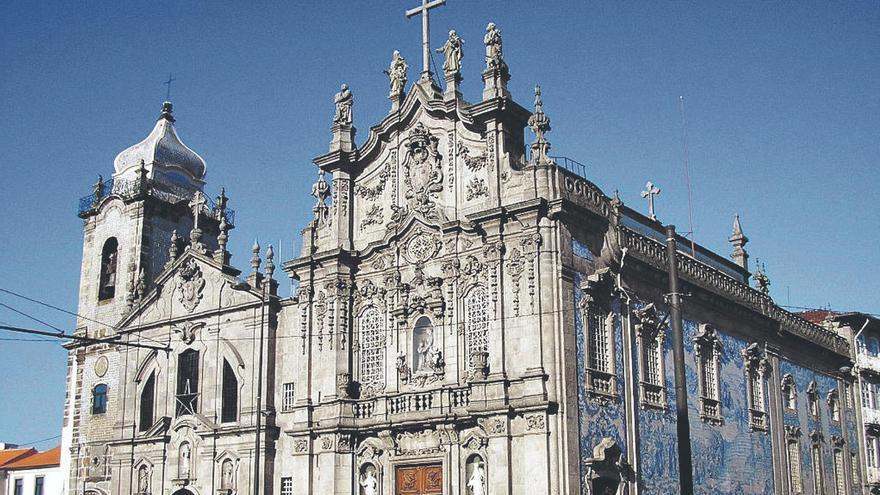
(685,466)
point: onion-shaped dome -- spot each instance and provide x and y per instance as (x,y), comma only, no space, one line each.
(164,155)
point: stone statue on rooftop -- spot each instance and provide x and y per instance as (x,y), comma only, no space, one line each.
(492,40)
(344,102)
(452,52)
(397,74)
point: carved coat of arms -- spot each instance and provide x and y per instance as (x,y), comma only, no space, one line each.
(190,284)
(423,171)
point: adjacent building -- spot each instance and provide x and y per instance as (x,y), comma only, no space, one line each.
(26,471)
(471,316)
(863,332)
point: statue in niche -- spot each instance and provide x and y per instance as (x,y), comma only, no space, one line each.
(183,466)
(227,478)
(397,74)
(477,482)
(369,483)
(344,102)
(492,40)
(452,52)
(143,484)
(428,362)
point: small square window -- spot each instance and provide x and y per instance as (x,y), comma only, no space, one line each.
(288,397)
(286,486)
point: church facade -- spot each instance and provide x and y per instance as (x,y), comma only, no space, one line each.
(471,316)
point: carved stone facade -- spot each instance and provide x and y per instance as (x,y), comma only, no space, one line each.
(465,316)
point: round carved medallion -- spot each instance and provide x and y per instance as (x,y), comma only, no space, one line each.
(421,248)
(101,366)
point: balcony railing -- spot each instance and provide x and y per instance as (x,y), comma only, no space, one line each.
(871,416)
(868,361)
(128,189)
(441,401)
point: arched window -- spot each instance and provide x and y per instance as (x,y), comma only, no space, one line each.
(476,307)
(99,399)
(148,394)
(187,382)
(372,348)
(229,409)
(107,283)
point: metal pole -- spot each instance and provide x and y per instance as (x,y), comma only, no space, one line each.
(685,466)
(257,479)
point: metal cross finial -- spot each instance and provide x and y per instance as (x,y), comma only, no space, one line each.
(426,36)
(649,192)
(168,83)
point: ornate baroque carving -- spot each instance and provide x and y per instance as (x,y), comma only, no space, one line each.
(190,284)
(476,188)
(423,172)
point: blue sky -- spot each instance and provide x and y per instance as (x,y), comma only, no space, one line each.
(782,107)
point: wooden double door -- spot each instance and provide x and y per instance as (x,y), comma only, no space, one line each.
(419,480)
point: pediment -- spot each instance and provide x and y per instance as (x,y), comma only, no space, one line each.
(190,287)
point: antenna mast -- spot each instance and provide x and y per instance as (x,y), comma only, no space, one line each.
(687,177)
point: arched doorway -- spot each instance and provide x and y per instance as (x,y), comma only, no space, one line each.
(182,491)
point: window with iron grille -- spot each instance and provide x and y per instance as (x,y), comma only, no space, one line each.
(372,347)
(148,397)
(653,378)
(286,486)
(756,367)
(477,321)
(871,450)
(600,351)
(707,347)
(839,475)
(794,467)
(816,458)
(287,399)
(854,460)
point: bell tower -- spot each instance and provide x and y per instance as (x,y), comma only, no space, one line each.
(135,219)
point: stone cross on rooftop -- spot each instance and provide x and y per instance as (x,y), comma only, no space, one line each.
(426,34)
(649,192)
